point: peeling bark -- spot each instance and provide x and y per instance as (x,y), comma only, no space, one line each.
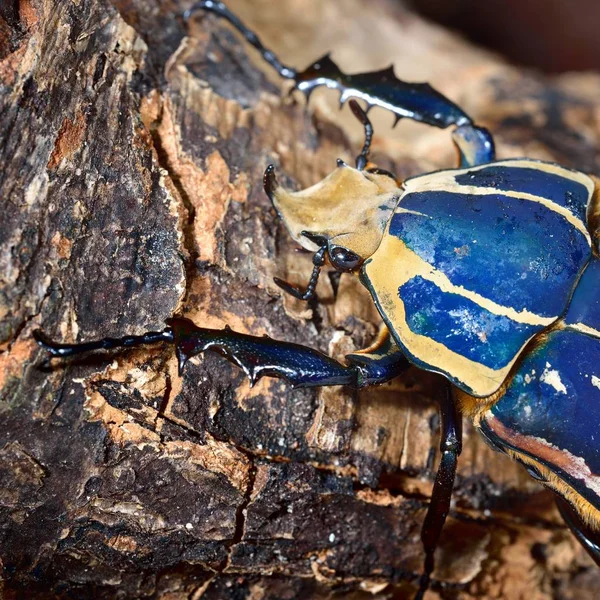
(132,159)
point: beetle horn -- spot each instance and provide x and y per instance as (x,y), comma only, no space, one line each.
(361,115)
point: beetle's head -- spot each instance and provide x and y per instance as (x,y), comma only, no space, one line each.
(341,218)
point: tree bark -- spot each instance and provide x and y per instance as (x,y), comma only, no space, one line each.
(132,154)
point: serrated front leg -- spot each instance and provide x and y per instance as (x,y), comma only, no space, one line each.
(256,356)
(406,100)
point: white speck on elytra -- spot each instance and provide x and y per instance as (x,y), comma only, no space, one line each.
(596,381)
(552,378)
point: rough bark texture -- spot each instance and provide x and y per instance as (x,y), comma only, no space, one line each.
(132,159)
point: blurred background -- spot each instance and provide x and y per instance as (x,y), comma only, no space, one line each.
(552,35)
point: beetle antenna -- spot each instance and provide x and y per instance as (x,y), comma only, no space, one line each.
(222,11)
(361,115)
(309,292)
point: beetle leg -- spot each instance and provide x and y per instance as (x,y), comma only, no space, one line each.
(222,11)
(475,145)
(588,538)
(309,292)
(417,101)
(256,356)
(450,447)
(363,158)
(66,350)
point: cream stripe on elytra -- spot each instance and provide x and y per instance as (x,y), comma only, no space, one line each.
(583,328)
(539,165)
(519,163)
(411,265)
(445,180)
(407,211)
(479,379)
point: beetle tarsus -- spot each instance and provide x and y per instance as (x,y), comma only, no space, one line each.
(57,350)
(222,11)
(361,115)
(309,292)
(450,447)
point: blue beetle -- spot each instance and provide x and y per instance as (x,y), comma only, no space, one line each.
(486,274)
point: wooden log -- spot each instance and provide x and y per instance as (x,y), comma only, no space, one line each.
(132,154)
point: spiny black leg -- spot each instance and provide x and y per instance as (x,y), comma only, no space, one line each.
(65,350)
(309,292)
(361,115)
(256,356)
(450,446)
(588,538)
(417,101)
(222,11)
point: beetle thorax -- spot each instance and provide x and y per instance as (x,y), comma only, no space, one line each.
(349,208)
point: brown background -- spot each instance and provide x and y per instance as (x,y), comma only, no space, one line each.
(553,35)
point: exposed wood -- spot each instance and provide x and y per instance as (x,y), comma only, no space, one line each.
(132,160)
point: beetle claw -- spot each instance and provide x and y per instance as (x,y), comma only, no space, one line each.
(293,290)
(270,181)
(309,292)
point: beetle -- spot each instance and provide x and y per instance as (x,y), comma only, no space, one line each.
(486,274)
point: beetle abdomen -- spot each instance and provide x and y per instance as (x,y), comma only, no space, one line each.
(473,264)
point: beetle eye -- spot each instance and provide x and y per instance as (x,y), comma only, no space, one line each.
(344,259)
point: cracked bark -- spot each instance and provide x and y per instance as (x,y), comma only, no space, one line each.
(131,185)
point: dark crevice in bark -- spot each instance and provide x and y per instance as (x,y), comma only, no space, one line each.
(160,412)
(240,526)
(188,225)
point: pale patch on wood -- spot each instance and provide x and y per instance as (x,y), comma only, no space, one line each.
(62,245)
(379,497)
(213,456)
(392,431)
(122,543)
(205,311)
(353,301)
(118,423)
(264,387)
(209,191)
(335,406)
(14,360)
(105,510)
